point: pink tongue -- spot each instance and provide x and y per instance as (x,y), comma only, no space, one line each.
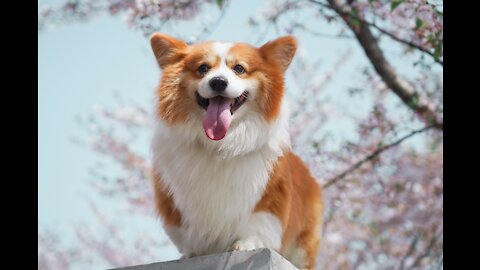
(218,118)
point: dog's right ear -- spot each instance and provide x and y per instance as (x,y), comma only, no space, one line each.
(167,49)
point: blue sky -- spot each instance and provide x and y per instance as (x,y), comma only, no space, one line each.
(83,64)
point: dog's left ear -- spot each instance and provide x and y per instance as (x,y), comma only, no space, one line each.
(280,51)
(167,50)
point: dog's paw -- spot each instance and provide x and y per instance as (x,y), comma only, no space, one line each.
(249,243)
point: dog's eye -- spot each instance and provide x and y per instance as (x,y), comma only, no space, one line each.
(203,69)
(239,69)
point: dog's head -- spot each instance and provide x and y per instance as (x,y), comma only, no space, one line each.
(219,86)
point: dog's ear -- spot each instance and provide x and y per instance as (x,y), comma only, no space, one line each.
(280,51)
(167,49)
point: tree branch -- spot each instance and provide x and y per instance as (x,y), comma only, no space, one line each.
(343,12)
(424,254)
(413,244)
(320,34)
(373,155)
(407,93)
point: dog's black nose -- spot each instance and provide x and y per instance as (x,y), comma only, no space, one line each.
(218,84)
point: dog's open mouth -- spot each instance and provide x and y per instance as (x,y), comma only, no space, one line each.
(218,115)
(234,105)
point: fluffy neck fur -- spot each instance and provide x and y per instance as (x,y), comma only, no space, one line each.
(216,184)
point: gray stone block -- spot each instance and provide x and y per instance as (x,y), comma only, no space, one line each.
(260,259)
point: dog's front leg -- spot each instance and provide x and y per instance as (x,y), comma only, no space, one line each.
(264,230)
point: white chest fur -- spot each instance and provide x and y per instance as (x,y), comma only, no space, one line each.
(214,191)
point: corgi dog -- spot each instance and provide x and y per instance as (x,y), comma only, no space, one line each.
(224,175)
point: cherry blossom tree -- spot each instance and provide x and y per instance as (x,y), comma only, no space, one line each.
(383,192)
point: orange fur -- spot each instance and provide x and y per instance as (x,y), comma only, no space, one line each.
(164,203)
(293,195)
(260,63)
